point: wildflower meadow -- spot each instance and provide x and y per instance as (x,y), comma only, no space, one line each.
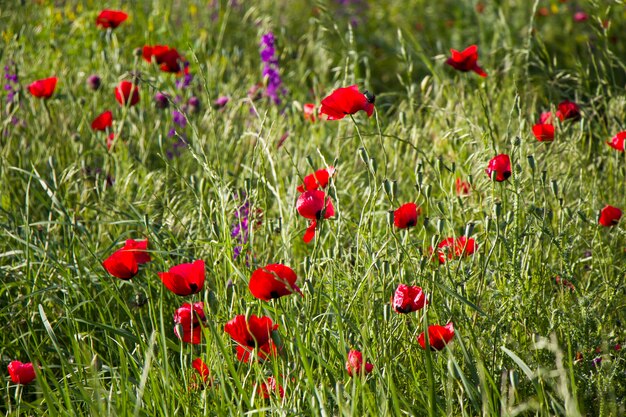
(313,208)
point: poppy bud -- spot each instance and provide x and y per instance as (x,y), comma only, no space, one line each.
(373,165)
(93,82)
(531,162)
(427,191)
(387,185)
(363,154)
(555,187)
(138,52)
(440,225)
(469,229)
(161,101)
(516,141)
(390,217)
(497,208)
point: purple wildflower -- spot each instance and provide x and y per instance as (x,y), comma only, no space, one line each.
(161,100)
(12,85)
(93,82)
(179,118)
(221,101)
(270,68)
(185,81)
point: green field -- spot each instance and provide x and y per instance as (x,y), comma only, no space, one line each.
(538,308)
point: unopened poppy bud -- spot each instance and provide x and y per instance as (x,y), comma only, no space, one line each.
(161,101)
(75,137)
(388,186)
(363,154)
(440,206)
(544,174)
(419,178)
(531,162)
(309,161)
(438,164)
(469,229)
(81,101)
(373,165)
(440,225)
(487,223)
(470,179)
(427,191)
(137,52)
(307,264)
(509,217)
(518,168)
(516,141)
(386,268)
(93,82)
(555,187)
(497,208)
(213,302)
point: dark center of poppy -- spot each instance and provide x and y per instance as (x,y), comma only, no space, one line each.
(506,174)
(371,98)
(193,287)
(251,342)
(411,223)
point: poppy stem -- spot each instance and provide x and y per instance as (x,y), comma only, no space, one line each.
(358,133)
(45,106)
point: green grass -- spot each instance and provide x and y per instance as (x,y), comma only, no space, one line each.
(107,347)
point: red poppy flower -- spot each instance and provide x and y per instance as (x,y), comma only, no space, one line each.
(43,88)
(21,373)
(318,180)
(168,58)
(245,354)
(347,100)
(266,389)
(568,110)
(609,216)
(189,319)
(184,279)
(544,132)
(617,142)
(463,188)
(355,365)
(438,336)
(139,250)
(273,281)
(314,205)
(455,248)
(110,18)
(121,264)
(408,298)
(253,332)
(103,121)
(501,165)
(127,92)
(406,215)
(202,369)
(309,112)
(545,118)
(466,60)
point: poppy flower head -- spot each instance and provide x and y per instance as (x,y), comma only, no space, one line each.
(247,354)
(355,365)
(317,180)
(314,205)
(253,332)
(202,370)
(455,248)
(127,92)
(168,59)
(273,281)
(408,299)
(184,279)
(345,101)
(463,188)
(501,165)
(309,112)
(617,142)
(545,118)
(406,215)
(544,132)
(271,387)
(103,121)
(21,373)
(110,19)
(466,60)
(121,264)
(139,249)
(43,88)
(609,216)
(568,110)
(438,336)
(189,319)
